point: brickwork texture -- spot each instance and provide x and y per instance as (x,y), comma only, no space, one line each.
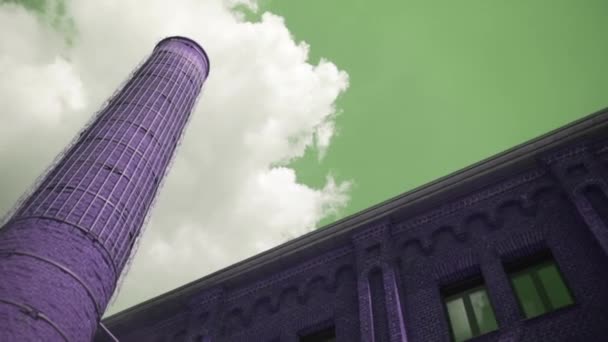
(384,279)
(63,249)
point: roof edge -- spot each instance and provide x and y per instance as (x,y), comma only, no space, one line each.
(529,149)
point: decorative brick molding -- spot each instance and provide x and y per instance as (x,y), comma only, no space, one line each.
(422,240)
(584,158)
(291,272)
(205,313)
(521,245)
(468,201)
(295,285)
(464,267)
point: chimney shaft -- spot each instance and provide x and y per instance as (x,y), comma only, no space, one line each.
(63,250)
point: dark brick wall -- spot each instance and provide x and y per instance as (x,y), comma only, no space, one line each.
(412,257)
(486,244)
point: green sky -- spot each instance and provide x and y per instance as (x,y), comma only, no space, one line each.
(438,85)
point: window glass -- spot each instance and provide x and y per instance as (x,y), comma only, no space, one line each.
(529,298)
(540,288)
(461,329)
(552,281)
(483,311)
(325,335)
(470,313)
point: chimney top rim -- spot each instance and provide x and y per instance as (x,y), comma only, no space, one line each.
(191,42)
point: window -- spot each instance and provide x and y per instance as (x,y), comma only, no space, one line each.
(540,288)
(325,335)
(470,313)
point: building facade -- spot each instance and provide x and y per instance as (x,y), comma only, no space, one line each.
(514,248)
(64,248)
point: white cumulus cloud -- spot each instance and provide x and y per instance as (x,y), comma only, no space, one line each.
(225,199)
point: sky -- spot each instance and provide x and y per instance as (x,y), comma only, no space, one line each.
(436,85)
(313,110)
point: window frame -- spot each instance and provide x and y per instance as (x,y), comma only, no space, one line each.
(463,290)
(531,266)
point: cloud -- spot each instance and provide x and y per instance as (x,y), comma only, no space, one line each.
(224,198)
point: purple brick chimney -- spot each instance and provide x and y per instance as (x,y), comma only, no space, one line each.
(63,250)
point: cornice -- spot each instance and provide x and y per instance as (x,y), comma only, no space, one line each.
(521,160)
